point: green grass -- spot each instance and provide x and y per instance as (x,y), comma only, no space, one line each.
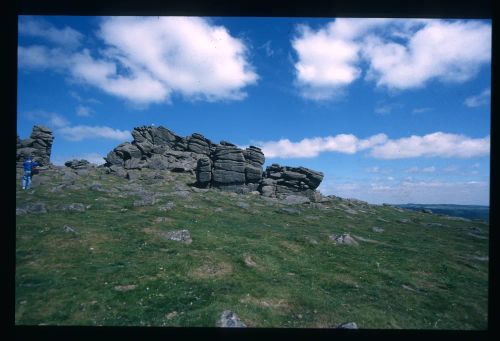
(413,276)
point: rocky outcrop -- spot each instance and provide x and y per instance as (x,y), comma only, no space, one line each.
(77,164)
(158,148)
(281,181)
(38,146)
(221,165)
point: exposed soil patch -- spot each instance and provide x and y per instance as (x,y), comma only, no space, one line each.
(212,269)
(273,303)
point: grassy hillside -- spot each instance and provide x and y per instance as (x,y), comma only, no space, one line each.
(109,261)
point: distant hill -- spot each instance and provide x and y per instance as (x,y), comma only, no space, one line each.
(463,211)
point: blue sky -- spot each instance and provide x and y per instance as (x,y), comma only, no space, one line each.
(392,111)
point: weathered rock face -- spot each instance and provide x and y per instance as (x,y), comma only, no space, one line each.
(38,146)
(231,168)
(158,148)
(281,181)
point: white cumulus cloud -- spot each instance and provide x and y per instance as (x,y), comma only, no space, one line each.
(399,53)
(311,147)
(83,111)
(431,145)
(81,132)
(146,59)
(448,51)
(436,144)
(52,119)
(482,99)
(37,27)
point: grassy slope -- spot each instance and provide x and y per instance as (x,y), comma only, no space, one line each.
(409,276)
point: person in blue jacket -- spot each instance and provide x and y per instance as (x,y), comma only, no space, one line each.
(28,168)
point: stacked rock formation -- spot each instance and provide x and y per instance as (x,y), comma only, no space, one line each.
(77,164)
(233,168)
(158,148)
(38,146)
(221,165)
(285,180)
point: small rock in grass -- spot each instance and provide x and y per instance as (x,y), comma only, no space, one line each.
(436,225)
(182,236)
(404,221)
(347,325)
(229,319)
(163,220)
(171,315)
(191,206)
(182,194)
(123,288)
(475,230)
(167,207)
(377,229)
(290,210)
(249,261)
(343,239)
(218,210)
(242,204)
(147,201)
(295,200)
(69,229)
(36,207)
(76,207)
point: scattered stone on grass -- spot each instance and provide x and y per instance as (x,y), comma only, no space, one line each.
(76,207)
(36,208)
(218,210)
(481,258)
(249,261)
(476,235)
(475,230)
(404,221)
(404,286)
(171,315)
(312,217)
(347,325)
(124,288)
(229,319)
(290,210)
(377,229)
(69,229)
(436,225)
(199,190)
(243,205)
(163,220)
(344,238)
(167,207)
(194,207)
(182,194)
(146,201)
(456,218)
(295,200)
(382,220)
(182,236)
